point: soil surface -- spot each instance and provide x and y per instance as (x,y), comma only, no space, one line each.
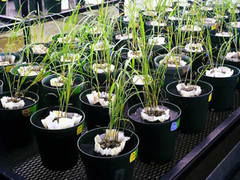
(109,144)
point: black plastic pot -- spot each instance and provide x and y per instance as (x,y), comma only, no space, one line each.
(101,77)
(60,45)
(235,30)
(157,140)
(198,58)
(15,126)
(121,43)
(137,93)
(124,57)
(34,57)
(175,23)
(149,17)
(58,65)
(151,29)
(223,89)
(172,73)
(3,7)
(210,28)
(17,5)
(123,22)
(158,49)
(235,64)
(27,80)
(207,12)
(101,54)
(53,6)
(118,167)
(7,69)
(50,95)
(233,13)
(57,148)
(96,115)
(180,8)
(189,34)
(217,41)
(194,109)
(35,4)
(23,6)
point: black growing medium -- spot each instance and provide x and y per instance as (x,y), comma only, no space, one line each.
(32,167)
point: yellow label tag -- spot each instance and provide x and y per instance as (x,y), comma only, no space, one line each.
(4,0)
(80,128)
(133,156)
(8,68)
(210,98)
(214,27)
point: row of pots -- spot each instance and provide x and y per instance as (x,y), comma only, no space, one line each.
(52,144)
(62,144)
(163,152)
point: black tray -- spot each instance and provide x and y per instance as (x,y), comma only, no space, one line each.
(26,162)
(7,23)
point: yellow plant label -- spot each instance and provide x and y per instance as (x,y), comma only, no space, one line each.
(210,98)
(133,156)
(214,27)
(8,68)
(4,0)
(80,128)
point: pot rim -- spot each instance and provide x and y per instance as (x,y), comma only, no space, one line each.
(156,61)
(156,123)
(87,103)
(87,67)
(46,44)
(178,95)
(60,88)
(226,65)
(16,54)
(108,157)
(57,130)
(15,68)
(25,107)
